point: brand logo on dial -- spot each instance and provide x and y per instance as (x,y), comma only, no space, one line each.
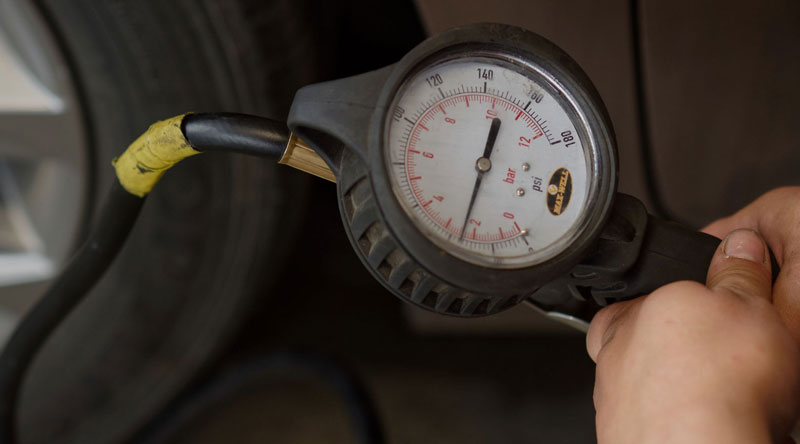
(559,191)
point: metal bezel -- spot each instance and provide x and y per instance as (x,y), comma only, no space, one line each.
(532,52)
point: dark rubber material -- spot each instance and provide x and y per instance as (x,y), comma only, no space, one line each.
(239,133)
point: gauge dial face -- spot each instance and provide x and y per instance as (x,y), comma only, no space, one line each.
(489,160)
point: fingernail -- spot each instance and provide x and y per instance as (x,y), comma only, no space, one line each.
(745,244)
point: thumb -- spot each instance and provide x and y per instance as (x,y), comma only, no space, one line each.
(741,266)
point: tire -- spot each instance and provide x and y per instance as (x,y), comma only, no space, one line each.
(212,235)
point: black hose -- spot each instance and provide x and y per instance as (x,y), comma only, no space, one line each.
(83,271)
(238,133)
(251,373)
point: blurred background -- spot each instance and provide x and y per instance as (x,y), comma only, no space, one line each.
(234,261)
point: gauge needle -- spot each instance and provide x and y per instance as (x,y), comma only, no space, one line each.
(482,165)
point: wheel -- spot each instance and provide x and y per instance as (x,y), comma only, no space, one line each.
(213,232)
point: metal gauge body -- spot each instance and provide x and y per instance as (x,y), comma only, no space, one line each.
(472,172)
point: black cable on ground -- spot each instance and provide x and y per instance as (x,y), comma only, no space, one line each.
(253,372)
(83,271)
(238,133)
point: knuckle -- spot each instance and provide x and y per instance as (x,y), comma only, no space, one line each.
(780,194)
(784,191)
(744,280)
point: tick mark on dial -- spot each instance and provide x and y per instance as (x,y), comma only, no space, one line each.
(409,121)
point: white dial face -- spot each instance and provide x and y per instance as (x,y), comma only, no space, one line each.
(487,162)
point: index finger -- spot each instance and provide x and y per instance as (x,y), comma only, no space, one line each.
(776,215)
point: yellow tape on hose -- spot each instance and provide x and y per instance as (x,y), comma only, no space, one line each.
(141,166)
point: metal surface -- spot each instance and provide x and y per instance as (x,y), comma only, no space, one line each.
(563,318)
(300,156)
(43,159)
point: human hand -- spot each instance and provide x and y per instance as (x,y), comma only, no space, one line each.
(776,215)
(692,363)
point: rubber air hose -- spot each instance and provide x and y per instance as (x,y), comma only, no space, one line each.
(239,133)
(138,170)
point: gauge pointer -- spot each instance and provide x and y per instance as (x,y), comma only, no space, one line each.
(482,165)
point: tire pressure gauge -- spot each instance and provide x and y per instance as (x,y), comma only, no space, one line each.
(480,171)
